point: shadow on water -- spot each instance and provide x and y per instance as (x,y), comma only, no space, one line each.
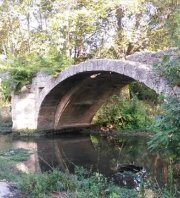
(108,156)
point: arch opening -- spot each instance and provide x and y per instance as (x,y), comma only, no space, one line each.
(75,101)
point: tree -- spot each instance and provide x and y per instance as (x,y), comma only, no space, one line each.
(166,140)
(81,29)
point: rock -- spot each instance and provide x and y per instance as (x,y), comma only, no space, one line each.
(129,175)
(9,190)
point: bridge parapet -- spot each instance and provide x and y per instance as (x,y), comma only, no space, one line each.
(150,58)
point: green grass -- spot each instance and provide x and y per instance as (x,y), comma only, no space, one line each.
(8,160)
(17,155)
(42,185)
(78,185)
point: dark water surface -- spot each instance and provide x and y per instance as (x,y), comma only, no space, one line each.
(102,154)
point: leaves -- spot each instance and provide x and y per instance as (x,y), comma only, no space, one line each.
(169,68)
(166,140)
(21,69)
(124,114)
(83,28)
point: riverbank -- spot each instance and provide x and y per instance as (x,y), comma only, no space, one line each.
(10,190)
(91,130)
(79,183)
(53,183)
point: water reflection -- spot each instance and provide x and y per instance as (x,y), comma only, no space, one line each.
(32,164)
(65,152)
(93,153)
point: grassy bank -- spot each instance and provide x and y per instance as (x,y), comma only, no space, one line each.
(80,184)
(77,185)
(55,183)
(8,161)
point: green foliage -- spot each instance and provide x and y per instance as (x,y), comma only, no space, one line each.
(81,184)
(142,92)
(124,114)
(78,185)
(8,159)
(170,69)
(21,69)
(166,140)
(58,31)
(167,126)
(82,28)
(7,170)
(5,90)
(173,25)
(159,39)
(170,189)
(19,154)
(37,185)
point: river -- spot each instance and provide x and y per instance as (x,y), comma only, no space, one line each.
(93,152)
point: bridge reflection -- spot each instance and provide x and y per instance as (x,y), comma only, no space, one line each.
(102,155)
(66,153)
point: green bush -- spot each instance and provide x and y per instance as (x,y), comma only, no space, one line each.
(170,69)
(142,92)
(8,160)
(167,138)
(17,155)
(124,114)
(77,186)
(22,69)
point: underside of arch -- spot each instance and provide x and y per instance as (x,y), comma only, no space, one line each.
(74,101)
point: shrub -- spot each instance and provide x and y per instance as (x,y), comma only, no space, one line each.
(170,69)
(142,92)
(167,126)
(8,159)
(124,114)
(17,155)
(78,185)
(21,69)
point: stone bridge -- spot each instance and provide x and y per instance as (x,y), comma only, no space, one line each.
(74,96)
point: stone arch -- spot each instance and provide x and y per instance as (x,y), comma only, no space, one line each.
(74,96)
